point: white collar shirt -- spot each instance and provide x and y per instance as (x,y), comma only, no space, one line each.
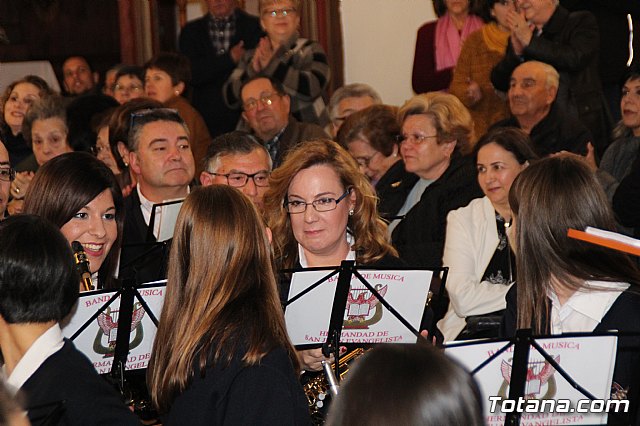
(50,342)
(584,310)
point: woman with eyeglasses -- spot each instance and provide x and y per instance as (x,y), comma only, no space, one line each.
(299,64)
(371,137)
(436,130)
(322,210)
(476,249)
(129,84)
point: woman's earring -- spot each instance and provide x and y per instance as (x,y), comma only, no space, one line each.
(351,212)
(126,164)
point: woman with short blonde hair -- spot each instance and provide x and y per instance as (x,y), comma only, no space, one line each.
(436,134)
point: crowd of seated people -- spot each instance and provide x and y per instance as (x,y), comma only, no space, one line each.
(501,142)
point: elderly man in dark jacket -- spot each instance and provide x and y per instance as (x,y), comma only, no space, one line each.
(543,30)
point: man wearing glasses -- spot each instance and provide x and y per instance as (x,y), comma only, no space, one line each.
(266,108)
(237,159)
(6,177)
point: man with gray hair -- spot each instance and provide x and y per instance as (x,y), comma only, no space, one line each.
(543,30)
(348,99)
(532,94)
(237,159)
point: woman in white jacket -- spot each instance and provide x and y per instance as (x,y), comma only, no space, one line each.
(476,250)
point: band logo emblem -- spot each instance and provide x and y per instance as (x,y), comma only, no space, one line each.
(105,341)
(541,382)
(363,307)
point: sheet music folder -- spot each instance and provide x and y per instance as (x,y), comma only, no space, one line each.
(378,306)
(95,328)
(570,366)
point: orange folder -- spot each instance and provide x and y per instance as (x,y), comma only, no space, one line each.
(605,242)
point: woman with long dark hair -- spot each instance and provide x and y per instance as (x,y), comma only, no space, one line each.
(222,354)
(80,195)
(567,285)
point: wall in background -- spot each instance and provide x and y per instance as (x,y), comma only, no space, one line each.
(379,43)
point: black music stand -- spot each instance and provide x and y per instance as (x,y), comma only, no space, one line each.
(522,343)
(345,271)
(150,257)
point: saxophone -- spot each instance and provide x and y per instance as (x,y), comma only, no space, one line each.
(317,388)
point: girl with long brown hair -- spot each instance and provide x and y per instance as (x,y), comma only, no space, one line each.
(222,355)
(566,285)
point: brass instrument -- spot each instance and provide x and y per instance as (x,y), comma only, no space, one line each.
(82,265)
(317,388)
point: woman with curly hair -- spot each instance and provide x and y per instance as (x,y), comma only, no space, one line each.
(322,210)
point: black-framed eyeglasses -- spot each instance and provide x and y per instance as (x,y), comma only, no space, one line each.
(7,174)
(265,100)
(239,179)
(279,12)
(415,138)
(324,204)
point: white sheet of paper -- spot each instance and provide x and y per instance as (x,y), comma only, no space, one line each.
(588,360)
(97,341)
(366,320)
(168,219)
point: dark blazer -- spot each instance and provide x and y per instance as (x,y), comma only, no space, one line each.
(140,257)
(293,134)
(68,376)
(393,188)
(210,70)
(419,237)
(265,394)
(556,132)
(570,43)
(624,316)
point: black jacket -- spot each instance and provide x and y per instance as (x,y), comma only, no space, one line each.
(141,258)
(393,188)
(268,393)
(68,377)
(419,237)
(556,132)
(210,70)
(570,43)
